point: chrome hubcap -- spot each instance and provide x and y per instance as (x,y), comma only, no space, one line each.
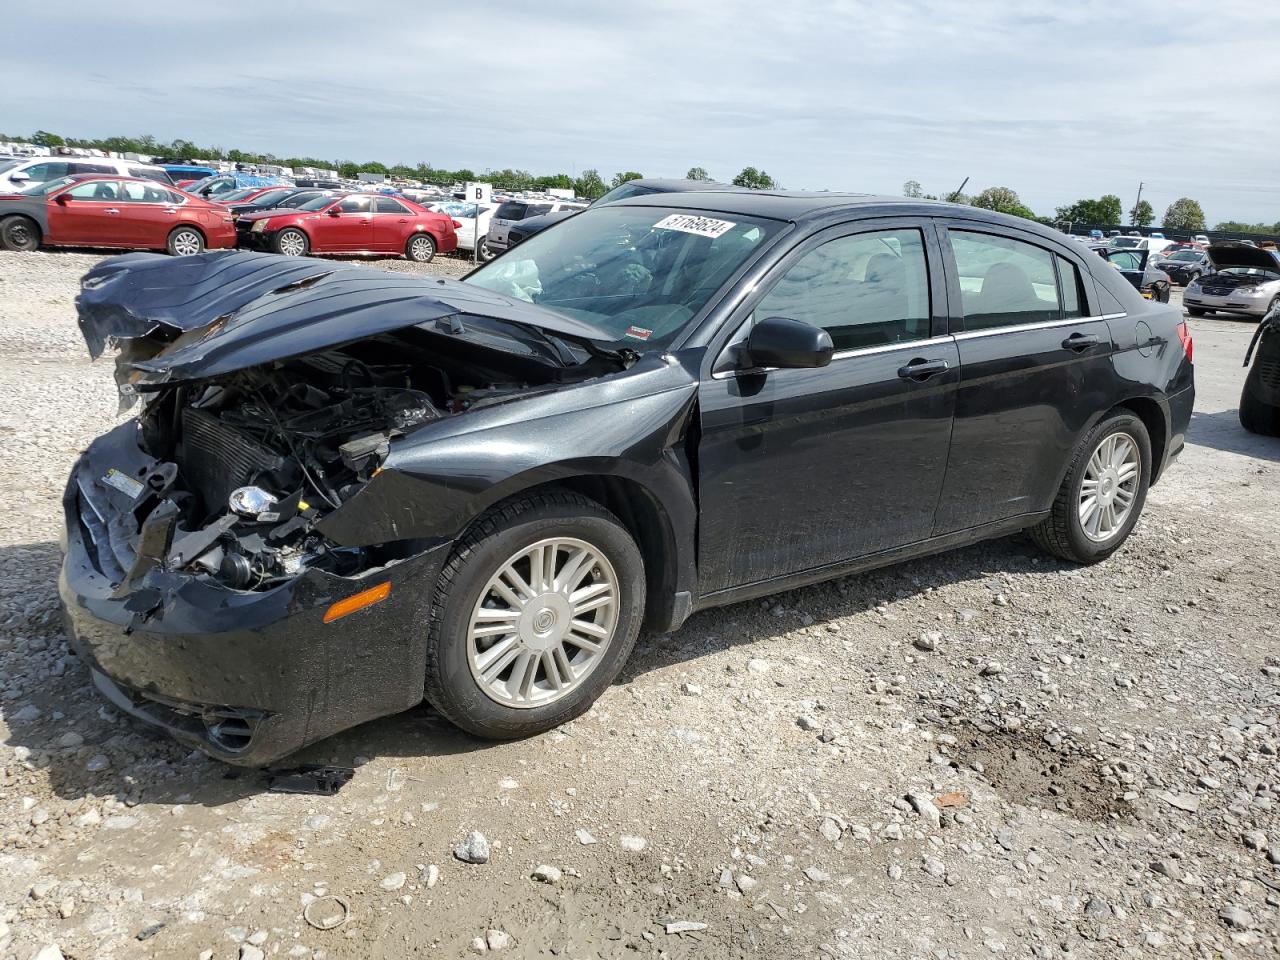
(291,245)
(543,622)
(1110,486)
(186,244)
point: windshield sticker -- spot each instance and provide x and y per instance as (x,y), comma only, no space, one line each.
(702,226)
(639,333)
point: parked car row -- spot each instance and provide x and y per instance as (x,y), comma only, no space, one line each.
(127,212)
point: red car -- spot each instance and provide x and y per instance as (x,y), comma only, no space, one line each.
(355,223)
(102,211)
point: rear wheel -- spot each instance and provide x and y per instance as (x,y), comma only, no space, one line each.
(185,242)
(420,248)
(1103,493)
(19,233)
(485,253)
(534,616)
(291,242)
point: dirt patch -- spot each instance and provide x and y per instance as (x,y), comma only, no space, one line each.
(1025,769)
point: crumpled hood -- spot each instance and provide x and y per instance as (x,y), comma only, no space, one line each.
(236,310)
(1232,253)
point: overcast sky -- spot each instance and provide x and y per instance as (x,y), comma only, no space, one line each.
(1058,101)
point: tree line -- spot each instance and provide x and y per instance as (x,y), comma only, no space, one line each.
(1183,214)
(589,183)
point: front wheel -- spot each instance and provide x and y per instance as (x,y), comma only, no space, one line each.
(534,616)
(1103,493)
(1196,311)
(185,242)
(291,243)
(19,233)
(420,248)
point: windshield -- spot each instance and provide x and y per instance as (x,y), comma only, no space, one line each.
(270,198)
(40,189)
(298,199)
(8,165)
(1187,255)
(237,194)
(1125,241)
(1252,272)
(637,274)
(624,191)
(317,203)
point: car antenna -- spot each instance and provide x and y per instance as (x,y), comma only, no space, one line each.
(959,190)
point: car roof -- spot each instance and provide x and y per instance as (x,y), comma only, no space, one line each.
(799,206)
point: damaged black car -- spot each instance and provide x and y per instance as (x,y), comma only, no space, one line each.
(345,491)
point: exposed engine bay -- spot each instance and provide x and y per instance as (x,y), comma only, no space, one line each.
(259,456)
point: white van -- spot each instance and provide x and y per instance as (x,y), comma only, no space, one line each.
(1154,244)
(26,172)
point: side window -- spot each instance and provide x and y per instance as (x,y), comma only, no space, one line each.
(90,168)
(96,190)
(536,210)
(867,290)
(1073,299)
(150,173)
(389,205)
(145,193)
(354,205)
(44,172)
(1003,282)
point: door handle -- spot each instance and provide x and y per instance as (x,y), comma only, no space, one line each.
(1080,341)
(920,370)
(111,210)
(170,210)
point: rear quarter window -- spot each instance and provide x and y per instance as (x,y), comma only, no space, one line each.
(151,173)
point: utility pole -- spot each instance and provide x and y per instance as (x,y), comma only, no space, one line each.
(1133,214)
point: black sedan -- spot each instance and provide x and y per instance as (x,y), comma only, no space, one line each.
(1185,266)
(1260,397)
(348,491)
(280,197)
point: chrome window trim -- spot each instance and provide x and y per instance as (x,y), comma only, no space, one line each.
(1024,327)
(846,354)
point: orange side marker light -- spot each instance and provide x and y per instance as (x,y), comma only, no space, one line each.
(365,598)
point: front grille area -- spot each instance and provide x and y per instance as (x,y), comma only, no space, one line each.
(216,458)
(1217,291)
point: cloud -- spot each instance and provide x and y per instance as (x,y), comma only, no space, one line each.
(1058,102)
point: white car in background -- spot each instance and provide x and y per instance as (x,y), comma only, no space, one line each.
(513,211)
(472,221)
(23,172)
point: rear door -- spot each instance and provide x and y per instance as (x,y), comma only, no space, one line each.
(803,468)
(507,213)
(151,211)
(391,224)
(1035,367)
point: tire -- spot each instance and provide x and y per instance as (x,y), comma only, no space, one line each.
(291,242)
(485,253)
(420,248)
(1063,533)
(20,233)
(494,710)
(184,241)
(1196,312)
(1257,416)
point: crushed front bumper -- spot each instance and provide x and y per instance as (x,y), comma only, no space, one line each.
(248,677)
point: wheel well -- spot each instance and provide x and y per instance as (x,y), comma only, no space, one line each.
(1152,417)
(22,216)
(643,517)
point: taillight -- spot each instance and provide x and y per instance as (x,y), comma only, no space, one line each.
(456,224)
(1184,337)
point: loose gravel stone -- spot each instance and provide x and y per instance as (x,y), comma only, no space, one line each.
(473,849)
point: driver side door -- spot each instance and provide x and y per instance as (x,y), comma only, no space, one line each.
(801,469)
(350,231)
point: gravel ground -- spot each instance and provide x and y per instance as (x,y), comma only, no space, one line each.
(986,753)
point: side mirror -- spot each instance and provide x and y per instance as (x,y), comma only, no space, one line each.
(334,212)
(63,198)
(19,176)
(784,343)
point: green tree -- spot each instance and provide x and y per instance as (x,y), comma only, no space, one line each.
(1003,200)
(620,178)
(348,170)
(1184,214)
(1104,210)
(754,179)
(590,184)
(462,176)
(697,173)
(912,189)
(1235,226)
(373,166)
(558,181)
(1142,215)
(43,138)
